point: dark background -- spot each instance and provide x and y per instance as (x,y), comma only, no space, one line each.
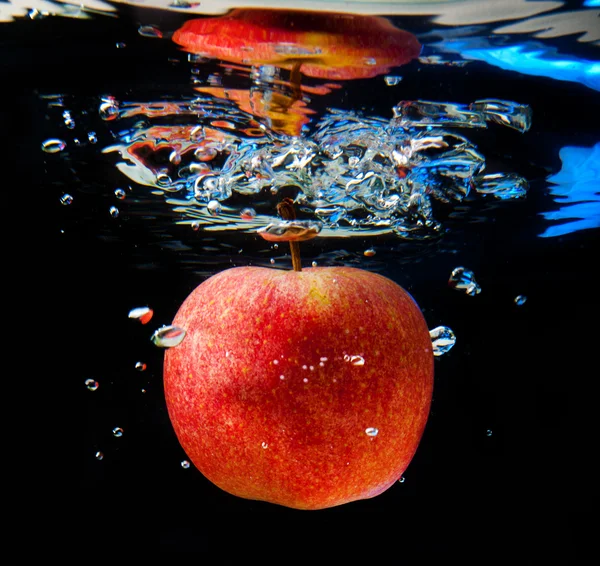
(526,373)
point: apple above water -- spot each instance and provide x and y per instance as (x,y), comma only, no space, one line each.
(307,389)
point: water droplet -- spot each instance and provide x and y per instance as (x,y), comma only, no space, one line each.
(272,261)
(120,194)
(520,300)
(168,336)
(314,264)
(99,455)
(370,252)
(370,61)
(265,445)
(290,231)
(488,432)
(282,377)
(150,31)
(371,431)
(354,360)
(91,384)
(109,109)
(275,362)
(175,157)
(248,214)
(195,226)
(118,432)
(114,211)
(92,137)
(140,366)
(185,464)
(120,45)
(463,279)
(402,479)
(392,80)
(305,380)
(66,199)
(53,145)
(442,339)
(143,314)
(214,207)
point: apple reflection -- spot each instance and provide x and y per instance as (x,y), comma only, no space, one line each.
(276,48)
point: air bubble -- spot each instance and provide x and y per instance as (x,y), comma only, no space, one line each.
(185,464)
(463,279)
(91,384)
(99,455)
(168,336)
(113,211)
(369,253)
(117,432)
(140,366)
(247,213)
(109,109)
(371,431)
(53,145)
(520,300)
(488,432)
(150,31)
(264,445)
(314,264)
(66,199)
(214,207)
(392,80)
(69,122)
(143,314)
(120,194)
(92,138)
(442,340)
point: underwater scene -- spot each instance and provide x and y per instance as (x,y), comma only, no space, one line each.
(315,255)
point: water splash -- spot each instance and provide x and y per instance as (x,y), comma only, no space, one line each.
(353,173)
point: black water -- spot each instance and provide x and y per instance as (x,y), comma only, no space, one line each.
(527,374)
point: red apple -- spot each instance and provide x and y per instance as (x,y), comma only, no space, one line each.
(308,389)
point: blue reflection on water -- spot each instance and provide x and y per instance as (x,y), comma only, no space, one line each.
(576,187)
(530,57)
(592,3)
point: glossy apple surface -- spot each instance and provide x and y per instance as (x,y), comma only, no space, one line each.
(307,389)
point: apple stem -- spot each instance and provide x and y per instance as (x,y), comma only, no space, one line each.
(286,210)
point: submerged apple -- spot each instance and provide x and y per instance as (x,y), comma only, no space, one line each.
(307,389)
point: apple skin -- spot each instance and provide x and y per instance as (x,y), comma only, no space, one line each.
(300,441)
